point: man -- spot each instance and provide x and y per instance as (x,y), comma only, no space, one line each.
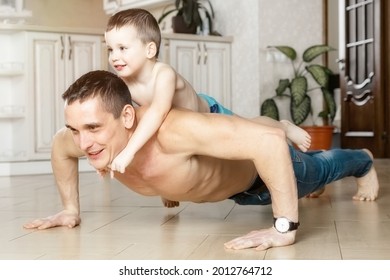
(194,157)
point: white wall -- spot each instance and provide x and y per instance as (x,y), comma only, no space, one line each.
(256,24)
(333,34)
(67,13)
(242,21)
(296,23)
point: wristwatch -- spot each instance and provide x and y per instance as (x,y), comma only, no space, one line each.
(284,225)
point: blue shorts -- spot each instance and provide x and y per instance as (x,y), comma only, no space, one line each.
(215,107)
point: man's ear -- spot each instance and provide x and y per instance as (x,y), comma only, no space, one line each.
(151,50)
(128,116)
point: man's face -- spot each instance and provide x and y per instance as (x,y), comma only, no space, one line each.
(95,131)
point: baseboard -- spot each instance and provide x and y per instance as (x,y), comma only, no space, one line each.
(35,167)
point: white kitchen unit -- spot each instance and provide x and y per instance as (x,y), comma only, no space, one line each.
(37,65)
(57,60)
(204,61)
(112,6)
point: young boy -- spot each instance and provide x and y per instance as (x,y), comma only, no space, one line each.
(133,40)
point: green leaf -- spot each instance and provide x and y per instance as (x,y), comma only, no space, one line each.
(177,3)
(283,85)
(165,14)
(319,74)
(330,103)
(300,112)
(287,51)
(207,9)
(188,12)
(269,109)
(315,51)
(298,90)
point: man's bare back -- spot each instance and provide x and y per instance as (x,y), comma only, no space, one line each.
(183,176)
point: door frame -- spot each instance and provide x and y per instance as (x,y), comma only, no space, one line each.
(383,48)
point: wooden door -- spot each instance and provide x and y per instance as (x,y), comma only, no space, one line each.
(361,52)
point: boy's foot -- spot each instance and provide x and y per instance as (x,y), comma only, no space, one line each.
(297,135)
(368,186)
(316,193)
(169,203)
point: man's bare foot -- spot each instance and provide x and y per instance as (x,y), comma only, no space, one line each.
(368,186)
(169,203)
(297,135)
(316,193)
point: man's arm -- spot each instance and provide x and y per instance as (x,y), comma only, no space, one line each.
(64,160)
(235,138)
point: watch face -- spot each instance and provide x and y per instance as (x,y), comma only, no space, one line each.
(282,224)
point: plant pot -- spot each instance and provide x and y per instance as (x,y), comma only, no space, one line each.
(321,136)
(179,26)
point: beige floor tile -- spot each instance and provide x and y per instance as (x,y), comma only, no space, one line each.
(119,224)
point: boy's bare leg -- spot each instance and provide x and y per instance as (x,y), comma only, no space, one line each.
(294,133)
(368,186)
(297,135)
(169,203)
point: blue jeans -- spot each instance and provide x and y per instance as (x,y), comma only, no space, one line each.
(313,170)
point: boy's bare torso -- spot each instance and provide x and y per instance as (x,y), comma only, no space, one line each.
(185,96)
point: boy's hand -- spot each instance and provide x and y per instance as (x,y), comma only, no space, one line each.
(121,161)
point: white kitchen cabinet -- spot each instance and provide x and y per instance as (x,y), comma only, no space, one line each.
(57,60)
(204,61)
(13,92)
(37,65)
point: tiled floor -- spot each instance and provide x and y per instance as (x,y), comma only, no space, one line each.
(118,224)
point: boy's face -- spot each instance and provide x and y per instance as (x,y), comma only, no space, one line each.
(127,54)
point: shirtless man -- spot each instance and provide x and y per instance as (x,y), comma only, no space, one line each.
(197,157)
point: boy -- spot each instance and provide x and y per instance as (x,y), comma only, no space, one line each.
(133,40)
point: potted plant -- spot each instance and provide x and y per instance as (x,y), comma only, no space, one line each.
(188,17)
(298,91)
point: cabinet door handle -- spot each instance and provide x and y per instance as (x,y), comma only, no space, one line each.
(199,53)
(167,56)
(205,53)
(70,48)
(62,47)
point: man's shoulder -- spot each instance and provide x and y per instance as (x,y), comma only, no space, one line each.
(178,118)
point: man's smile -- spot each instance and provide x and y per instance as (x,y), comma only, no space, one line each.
(94,154)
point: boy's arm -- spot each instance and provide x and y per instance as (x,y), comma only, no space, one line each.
(163,93)
(235,138)
(64,160)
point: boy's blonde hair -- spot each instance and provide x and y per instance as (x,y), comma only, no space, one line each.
(145,23)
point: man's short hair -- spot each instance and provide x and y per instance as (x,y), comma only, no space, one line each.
(111,89)
(144,22)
